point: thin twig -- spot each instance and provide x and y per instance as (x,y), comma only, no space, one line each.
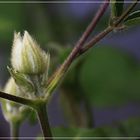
(86,34)
(101,35)
(97,38)
(16,99)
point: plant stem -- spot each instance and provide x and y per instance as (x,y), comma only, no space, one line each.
(95,40)
(85,35)
(16,99)
(109,29)
(43,119)
(14,126)
(64,67)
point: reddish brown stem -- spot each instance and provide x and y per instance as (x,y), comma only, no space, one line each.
(95,40)
(82,40)
(86,34)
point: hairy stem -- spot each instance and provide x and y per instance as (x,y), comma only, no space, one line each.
(43,119)
(14,130)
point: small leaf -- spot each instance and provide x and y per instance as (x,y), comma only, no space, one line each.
(22,80)
(117,8)
(133,19)
(133,15)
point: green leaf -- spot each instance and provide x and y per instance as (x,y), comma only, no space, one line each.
(133,19)
(22,80)
(128,128)
(117,8)
(109,77)
(78,133)
(83,133)
(105,76)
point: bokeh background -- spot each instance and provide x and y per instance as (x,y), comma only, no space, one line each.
(102,87)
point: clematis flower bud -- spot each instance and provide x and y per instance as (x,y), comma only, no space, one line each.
(27,56)
(13,111)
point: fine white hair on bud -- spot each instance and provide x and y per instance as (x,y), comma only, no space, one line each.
(27,56)
(16,52)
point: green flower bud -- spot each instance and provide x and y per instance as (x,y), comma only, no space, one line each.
(13,111)
(27,56)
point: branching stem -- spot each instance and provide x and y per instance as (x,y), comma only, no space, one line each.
(86,34)
(97,38)
(80,48)
(64,67)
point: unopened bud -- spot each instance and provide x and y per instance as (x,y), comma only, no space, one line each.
(27,56)
(13,110)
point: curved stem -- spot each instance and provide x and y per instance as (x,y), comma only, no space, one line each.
(44,123)
(14,130)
